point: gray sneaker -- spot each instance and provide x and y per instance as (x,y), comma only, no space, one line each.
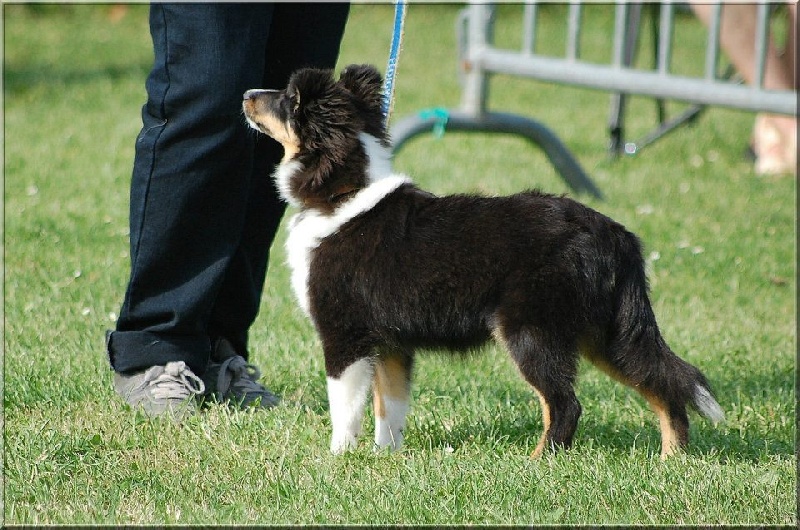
(230,378)
(168,390)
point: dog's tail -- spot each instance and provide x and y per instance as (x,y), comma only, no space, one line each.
(637,334)
(705,404)
(641,356)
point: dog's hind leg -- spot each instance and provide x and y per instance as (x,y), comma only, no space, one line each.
(391,396)
(550,367)
(672,418)
(667,383)
(347,395)
(628,346)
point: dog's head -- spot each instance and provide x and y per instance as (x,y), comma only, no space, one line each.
(324,125)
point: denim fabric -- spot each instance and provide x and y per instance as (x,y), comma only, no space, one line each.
(203,210)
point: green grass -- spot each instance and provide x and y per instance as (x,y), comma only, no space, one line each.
(722,254)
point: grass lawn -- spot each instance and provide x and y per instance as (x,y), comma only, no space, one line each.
(721,247)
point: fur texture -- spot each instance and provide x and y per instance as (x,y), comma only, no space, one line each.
(384,269)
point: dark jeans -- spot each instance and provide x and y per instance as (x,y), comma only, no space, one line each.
(203,210)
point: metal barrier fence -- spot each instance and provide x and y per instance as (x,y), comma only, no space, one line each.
(480,59)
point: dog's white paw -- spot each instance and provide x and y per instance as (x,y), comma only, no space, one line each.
(386,436)
(343,442)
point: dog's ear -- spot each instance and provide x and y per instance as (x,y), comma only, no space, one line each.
(308,85)
(363,81)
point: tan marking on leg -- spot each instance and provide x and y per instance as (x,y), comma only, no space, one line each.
(391,379)
(390,400)
(546,420)
(497,334)
(669,438)
(601,364)
(377,400)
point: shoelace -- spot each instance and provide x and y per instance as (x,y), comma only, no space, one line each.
(238,377)
(175,382)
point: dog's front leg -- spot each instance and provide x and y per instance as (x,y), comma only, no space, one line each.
(347,394)
(391,391)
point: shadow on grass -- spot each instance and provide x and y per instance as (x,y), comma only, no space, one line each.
(522,425)
(446,416)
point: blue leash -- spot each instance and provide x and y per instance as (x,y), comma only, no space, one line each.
(394,52)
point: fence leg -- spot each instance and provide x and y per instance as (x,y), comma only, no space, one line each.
(629,42)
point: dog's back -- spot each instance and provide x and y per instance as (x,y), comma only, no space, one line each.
(439,268)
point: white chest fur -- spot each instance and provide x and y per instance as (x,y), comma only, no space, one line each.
(307,229)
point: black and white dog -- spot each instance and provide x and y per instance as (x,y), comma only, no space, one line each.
(384,268)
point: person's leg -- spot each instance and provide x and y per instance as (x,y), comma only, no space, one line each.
(301,35)
(737,38)
(790,47)
(774,136)
(191,180)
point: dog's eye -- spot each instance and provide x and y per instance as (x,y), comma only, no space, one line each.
(292,101)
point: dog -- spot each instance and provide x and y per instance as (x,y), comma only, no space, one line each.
(384,268)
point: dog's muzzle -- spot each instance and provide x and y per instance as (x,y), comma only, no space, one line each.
(254,93)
